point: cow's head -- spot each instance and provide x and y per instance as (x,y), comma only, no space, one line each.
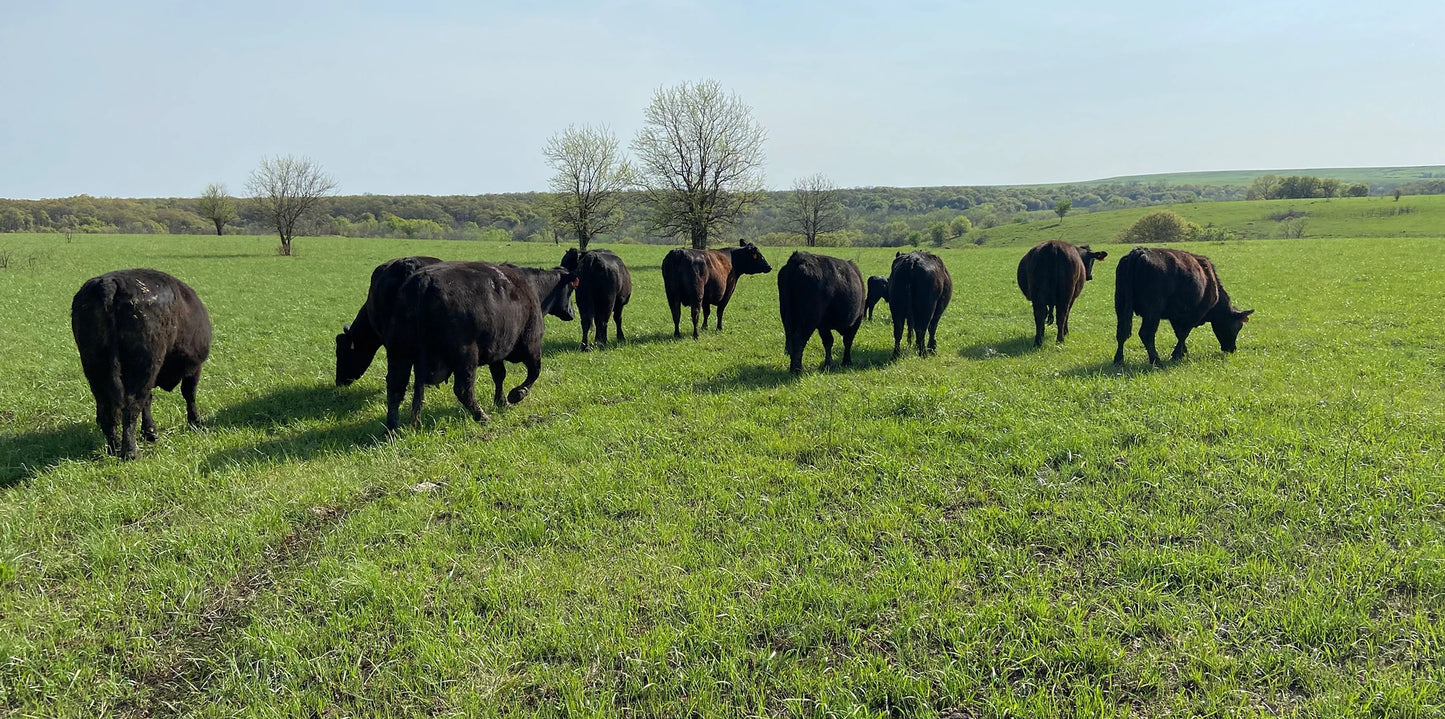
(559,302)
(570,260)
(1227,328)
(353,355)
(877,288)
(747,260)
(1090,257)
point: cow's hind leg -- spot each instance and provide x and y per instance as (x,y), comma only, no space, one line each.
(418,392)
(706,313)
(721,306)
(826,336)
(898,322)
(617,318)
(107,416)
(147,422)
(520,392)
(129,411)
(1181,333)
(189,383)
(398,371)
(677,318)
(848,335)
(1148,328)
(1064,311)
(1040,310)
(1121,333)
(695,310)
(600,320)
(499,375)
(464,385)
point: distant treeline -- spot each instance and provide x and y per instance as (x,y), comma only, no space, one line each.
(876,215)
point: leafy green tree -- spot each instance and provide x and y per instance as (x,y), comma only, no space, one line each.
(1062,208)
(700,157)
(938,233)
(959,226)
(217,206)
(1359,189)
(588,181)
(915,238)
(1161,226)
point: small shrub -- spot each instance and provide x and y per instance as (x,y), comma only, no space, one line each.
(1213,233)
(4,259)
(1290,214)
(1292,229)
(1161,226)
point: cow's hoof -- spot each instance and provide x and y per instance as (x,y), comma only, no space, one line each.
(586,347)
(150,435)
(517,395)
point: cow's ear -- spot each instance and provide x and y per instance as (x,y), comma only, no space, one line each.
(346,328)
(742,243)
(1244,316)
(1099,256)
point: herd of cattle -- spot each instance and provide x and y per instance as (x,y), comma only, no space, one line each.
(140,329)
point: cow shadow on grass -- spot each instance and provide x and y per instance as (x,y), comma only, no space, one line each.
(747,377)
(1107,368)
(26,455)
(300,446)
(297,402)
(1015,347)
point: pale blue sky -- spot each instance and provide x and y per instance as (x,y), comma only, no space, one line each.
(159,98)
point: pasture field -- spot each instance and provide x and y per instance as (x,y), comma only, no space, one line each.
(1414,216)
(679,528)
(1374,175)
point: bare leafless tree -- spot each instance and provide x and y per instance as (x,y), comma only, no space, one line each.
(700,159)
(217,206)
(814,208)
(285,189)
(590,177)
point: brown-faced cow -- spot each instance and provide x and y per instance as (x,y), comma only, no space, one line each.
(359,340)
(1182,287)
(604,287)
(451,317)
(919,289)
(1051,276)
(819,294)
(703,278)
(877,290)
(137,330)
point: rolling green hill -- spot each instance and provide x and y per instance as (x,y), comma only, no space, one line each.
(1364,217)
(1383,176)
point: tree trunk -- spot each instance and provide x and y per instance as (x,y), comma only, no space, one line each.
(699,239)
(285,246)
(218,227)
(582,241)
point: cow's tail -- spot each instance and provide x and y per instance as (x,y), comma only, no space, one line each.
(102,318)
(1124,290)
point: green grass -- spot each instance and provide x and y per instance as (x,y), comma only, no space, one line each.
(1362,217)
(674,528)
(1373,175)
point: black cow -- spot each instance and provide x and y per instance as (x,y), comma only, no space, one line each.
(819,294)
(919,289)
(877,290)
(702,278)
(1051,276)
(1174,285)
(359,340)
(137,330)
(604,287)
(451,317)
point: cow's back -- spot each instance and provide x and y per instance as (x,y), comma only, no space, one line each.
(1170,284)
(1051,273)
(603,274)
(386,282)
(820,292)
(143,321)
(685,274)
(454,307)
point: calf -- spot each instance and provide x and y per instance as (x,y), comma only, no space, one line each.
(604,288)
(1051,276)
(137,330)
(877,290)
(919,289)
(819,294)
(359,340)
(1174,285)
(451,317)
(702,278)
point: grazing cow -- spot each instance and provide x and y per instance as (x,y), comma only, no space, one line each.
(819,294)
(451,317)
(1051,276)
(359,340)
(137,330)
(877,290)
(919,289)
(604,288)
(702,278)
(1174,285)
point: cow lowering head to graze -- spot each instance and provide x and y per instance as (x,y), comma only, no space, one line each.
(604,287)
(1051,276)
(822,294)
(1182,287)
(877,290)
(137,330)
(919,289)
(702,278)
(359,340)
(451,317)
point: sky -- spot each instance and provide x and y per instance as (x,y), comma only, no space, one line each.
(147,99)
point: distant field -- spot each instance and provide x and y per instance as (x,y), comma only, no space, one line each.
(1372,175)
(679,528)
(1358,217)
